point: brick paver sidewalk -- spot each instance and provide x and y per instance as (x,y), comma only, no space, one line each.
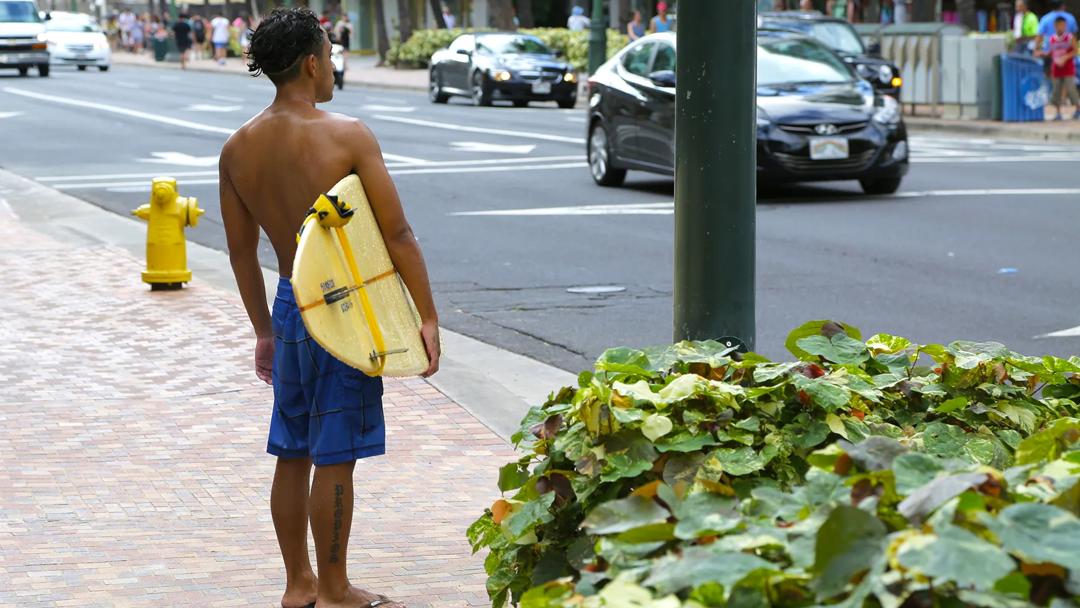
(132,434)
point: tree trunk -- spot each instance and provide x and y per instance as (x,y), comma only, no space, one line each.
(525,13)
(923,11)
(405,20)
(436,9)
(382,38)
(966,11)
(502,14)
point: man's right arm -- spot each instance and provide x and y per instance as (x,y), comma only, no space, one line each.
(242,238)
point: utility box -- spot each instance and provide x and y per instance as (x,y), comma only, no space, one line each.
(916,50)
(968,82)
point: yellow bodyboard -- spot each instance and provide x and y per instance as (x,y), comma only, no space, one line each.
(371,323)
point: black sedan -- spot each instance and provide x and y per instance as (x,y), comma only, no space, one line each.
(839,36)
(499,65)
(815,120)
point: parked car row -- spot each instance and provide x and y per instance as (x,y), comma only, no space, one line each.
(32,39)
(827,108)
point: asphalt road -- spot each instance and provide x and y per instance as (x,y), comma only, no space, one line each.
(979,244)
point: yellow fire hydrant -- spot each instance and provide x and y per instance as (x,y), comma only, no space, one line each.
(166,249)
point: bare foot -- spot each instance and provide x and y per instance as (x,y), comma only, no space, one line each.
(300,595)
(355,597)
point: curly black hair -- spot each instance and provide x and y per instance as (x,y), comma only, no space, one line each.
(281,40)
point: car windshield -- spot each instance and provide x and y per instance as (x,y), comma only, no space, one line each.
(498,44)
(71,25)
(18,12)
(795,61)
(837,36)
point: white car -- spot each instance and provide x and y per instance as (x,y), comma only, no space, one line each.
(76,40)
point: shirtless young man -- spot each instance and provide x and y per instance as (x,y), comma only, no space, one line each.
(272,169)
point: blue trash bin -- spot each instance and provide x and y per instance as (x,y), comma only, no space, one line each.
(1024,89)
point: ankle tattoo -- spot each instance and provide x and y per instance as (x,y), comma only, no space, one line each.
(339,513)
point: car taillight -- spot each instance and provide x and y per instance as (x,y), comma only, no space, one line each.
(39,46)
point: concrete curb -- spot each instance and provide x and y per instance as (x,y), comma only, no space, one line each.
(120,59)
(1030,131)
(496,386)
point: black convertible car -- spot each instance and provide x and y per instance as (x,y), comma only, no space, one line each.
(501,65)
(839,36)
(815,119)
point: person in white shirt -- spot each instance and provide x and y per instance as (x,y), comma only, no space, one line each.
(126,21)
(900,11)
(219,37)
(448,18)
(578,21)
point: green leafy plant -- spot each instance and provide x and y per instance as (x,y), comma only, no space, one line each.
(416,52)
(865,473)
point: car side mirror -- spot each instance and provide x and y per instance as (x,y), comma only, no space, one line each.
(48,16)
(874,49)
(663,78)
(465,52)
(557,53)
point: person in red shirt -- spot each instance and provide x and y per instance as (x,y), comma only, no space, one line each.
(1062,50)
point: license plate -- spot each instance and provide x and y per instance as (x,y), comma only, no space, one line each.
(541,88)
(828,148)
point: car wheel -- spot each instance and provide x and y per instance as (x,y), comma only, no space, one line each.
(43,69)
(880,185)
(23,70)
(435,92)
(82,68)
(568,102)
(600,159)
(103,68)
(521,103)
(481,90)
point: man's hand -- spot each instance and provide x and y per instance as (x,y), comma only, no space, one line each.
(264,359)
(429,332)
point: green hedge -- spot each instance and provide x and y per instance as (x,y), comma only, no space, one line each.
(416,52)
(865,474)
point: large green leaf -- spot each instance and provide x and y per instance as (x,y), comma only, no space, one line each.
(825,394)
(530,515)
(705,513)
(738,461)
(840,348)
(624,514)
(1047,444)
(816,328)
(699,565)
(924,501)
(914,470)
(956,555)
(624,361)
(847,544)
(1040,533)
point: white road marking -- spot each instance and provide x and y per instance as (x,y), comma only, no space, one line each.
(403,159)
(1056,158)
(1072,332)
(477,146)
(79,103)
(578,119)
(406,170)
(228,98)
(378,108)
(52,179)
(9,114)
(180,159)
(468,129)
(988,192)
(625,209)
(127,85)
(209,107)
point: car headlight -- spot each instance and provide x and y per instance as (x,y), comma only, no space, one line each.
(763,121)
(101,45)
(503,75)
(42,37)
(570,76)
(885,74)
(887,111)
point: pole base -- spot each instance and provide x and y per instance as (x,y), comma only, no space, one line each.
(166,286)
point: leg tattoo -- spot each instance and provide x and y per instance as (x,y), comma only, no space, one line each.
(339,511)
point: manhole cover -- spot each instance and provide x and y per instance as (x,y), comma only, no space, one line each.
(596,289)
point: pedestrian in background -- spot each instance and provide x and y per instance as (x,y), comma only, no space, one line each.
(636,28)
(182,32)
(578,21)
(1046,24)
(900,11)
(806,6)
(448,18)
(242,24)
(198,31)
(126,21)
(343,31)
(1062,53)
(137,35)
(660,22)
(219,37)
(1025,28)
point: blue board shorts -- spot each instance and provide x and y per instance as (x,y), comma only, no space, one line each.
(322,407)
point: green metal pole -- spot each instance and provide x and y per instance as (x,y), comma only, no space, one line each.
(597,37)
(715,170)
